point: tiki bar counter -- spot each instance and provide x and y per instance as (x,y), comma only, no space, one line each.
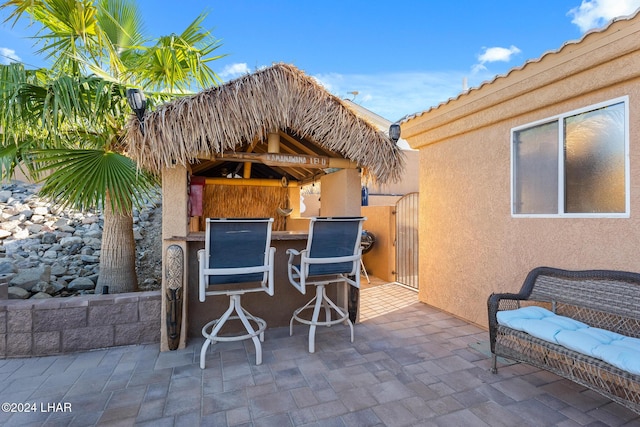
(245,149)
(276,309)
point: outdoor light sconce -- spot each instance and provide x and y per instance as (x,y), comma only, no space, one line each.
(394,132)
(138,104)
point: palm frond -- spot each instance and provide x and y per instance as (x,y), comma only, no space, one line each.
(82,179)
(121,22)
(178,61)
(15,156)
(54,120)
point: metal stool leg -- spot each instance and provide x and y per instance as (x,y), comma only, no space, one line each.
(344,316)
(244,316)
(247,326)
(319,302)
(210,337)
(314,318)
(364,270)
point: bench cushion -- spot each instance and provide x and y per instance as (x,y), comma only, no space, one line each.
(538,321)
(618,350)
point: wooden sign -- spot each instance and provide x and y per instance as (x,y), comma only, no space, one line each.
(280,159)
(287,160)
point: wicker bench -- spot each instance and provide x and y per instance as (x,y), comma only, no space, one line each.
(603,299)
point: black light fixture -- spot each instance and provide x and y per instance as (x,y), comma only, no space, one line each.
(138,104)
(394,132)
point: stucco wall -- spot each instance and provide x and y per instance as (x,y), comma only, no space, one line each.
(470,245)
(174,223)
(408,183)
(380,261)
(337,191)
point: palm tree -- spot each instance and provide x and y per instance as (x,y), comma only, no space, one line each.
(64,125)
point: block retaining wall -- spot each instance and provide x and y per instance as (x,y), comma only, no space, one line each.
(66,325)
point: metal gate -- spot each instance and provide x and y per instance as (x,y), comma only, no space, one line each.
(407,240)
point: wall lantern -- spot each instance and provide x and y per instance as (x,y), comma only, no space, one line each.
(394,132)
(138,104)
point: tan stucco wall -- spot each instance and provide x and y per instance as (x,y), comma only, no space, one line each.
(470,245)
(408,183)
(380,261)
(174,223)
(340,193)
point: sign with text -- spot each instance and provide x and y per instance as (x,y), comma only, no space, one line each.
(280,159)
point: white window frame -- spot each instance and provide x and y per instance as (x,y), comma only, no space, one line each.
(560,120)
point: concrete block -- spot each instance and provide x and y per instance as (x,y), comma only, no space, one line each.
(19,321)
(113,314)
(47,304)
(150,309)
(101,299)
(81,301)
(87,338)
(3,346)
(138,333)
(47,343)
(58,320)
(150,332)
(19,344)
(18,304)
(129,297)
(4,291)
(127,334)
(147,295)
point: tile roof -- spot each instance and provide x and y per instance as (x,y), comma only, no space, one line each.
(520,67)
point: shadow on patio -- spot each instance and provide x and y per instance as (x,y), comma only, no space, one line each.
(410,365)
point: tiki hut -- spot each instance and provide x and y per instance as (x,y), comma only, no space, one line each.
(238,116)
(244,149)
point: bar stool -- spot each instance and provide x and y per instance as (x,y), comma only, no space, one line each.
(236,259)
(332,255)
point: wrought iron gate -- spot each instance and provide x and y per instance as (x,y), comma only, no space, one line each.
(407,240)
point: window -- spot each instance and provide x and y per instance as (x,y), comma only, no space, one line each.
(575,164)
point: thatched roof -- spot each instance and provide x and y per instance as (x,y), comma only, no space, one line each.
(240,113)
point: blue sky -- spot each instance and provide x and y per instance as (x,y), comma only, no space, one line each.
(400,56)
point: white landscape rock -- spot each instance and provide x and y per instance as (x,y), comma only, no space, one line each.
(27,278)
(47,251)
(81,283)
(16,292)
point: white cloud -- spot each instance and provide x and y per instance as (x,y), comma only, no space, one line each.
(497,54)
(234,70)
(478,68)
(8,56)
(596,13)
(494,54)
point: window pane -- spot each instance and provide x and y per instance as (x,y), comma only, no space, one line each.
(595,162)
(536,170)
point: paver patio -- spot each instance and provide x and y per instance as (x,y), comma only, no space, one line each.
(410,365)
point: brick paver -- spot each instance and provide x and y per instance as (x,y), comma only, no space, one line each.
(410,365)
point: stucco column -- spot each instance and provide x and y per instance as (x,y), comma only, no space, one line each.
(175,223)
(340,194)
(294,200)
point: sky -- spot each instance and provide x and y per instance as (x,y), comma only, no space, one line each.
(394,58)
